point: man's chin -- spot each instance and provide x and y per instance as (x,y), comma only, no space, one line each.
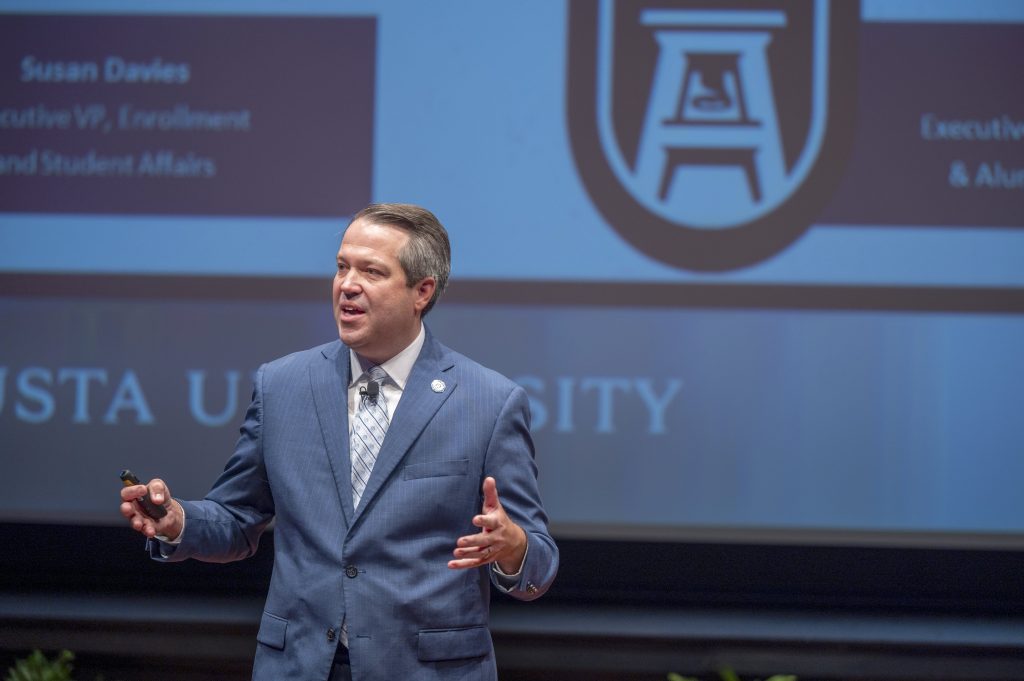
(349,336)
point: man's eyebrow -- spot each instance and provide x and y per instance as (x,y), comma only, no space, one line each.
(365,260)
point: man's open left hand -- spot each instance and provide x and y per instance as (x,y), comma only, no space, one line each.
(499,541)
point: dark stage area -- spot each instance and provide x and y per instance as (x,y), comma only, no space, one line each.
(618,611)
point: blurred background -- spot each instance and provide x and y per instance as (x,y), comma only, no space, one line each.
(759,266)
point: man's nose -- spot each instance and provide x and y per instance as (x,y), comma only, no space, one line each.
(350,283)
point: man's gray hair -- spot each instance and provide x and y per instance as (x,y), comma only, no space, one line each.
(428,252)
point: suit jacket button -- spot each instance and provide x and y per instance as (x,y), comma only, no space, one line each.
(351,571)
(330,634)
(531,588)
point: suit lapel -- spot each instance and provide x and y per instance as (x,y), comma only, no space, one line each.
(329,380)
(416,408)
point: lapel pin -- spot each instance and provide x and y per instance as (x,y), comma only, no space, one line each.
(437,386)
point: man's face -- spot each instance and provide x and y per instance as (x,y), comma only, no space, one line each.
(377,312)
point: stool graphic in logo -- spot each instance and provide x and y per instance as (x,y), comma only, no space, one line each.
(711,127)
(709,135)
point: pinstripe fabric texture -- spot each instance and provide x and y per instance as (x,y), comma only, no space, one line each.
(381,568)
(368,430)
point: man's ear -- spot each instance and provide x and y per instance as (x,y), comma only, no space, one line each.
(424,292)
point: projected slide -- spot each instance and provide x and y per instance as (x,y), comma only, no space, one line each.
(186,115)
(760,269)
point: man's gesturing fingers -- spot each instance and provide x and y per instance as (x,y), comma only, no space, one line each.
(499,541)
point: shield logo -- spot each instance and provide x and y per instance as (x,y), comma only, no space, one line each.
(710,134)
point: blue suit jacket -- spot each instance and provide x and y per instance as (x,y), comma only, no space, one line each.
(383,567)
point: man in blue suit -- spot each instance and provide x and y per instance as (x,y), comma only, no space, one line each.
(389,523)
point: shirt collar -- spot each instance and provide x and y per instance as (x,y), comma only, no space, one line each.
(398,367)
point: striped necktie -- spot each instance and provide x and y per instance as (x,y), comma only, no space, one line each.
(369,426)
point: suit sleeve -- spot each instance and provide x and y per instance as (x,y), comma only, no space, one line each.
(510,460)
(228,523)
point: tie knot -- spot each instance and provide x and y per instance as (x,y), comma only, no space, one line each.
(377,373)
